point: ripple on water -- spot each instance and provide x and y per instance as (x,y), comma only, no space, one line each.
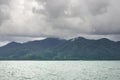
(59,70)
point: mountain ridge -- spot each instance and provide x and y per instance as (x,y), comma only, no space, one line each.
(60,49)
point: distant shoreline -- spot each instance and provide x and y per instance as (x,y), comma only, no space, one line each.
(59,60)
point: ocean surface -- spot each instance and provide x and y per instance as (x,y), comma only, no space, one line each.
(59,70)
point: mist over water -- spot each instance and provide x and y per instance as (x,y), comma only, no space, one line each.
(59,70)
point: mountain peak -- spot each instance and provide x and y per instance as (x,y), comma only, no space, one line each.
(53,39)
(81,38)
(105,40)
(77,38)
(13,43)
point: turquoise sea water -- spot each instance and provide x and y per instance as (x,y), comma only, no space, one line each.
(59,70)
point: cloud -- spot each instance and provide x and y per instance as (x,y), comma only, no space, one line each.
(4,11)
(4,2)
(58,18)
(97,7)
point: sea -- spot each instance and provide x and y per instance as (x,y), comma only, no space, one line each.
(59,70)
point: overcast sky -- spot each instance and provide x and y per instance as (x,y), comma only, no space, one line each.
(24,20)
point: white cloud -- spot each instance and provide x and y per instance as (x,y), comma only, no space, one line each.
(59,18)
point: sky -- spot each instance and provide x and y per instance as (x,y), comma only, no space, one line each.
(27,20)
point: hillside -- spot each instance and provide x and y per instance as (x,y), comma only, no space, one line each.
(57,49)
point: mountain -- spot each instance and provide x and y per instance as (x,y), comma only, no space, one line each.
(84,49)
(29,50)
(59,49)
